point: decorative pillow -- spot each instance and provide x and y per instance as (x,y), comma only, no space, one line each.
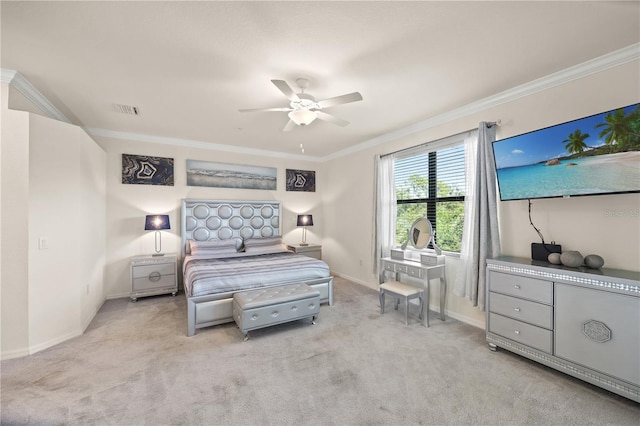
(264,245)
(215,247)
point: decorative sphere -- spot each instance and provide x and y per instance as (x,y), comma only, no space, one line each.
(571,258)
(593,261)
(554,258)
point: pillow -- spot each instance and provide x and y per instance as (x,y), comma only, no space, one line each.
(264,245)
(215,247)
(261,242)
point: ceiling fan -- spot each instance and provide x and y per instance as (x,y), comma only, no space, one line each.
(304,109)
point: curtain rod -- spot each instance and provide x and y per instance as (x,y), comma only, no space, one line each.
(489,125)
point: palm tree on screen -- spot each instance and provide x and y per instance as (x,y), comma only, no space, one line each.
(575,144)
(620,129)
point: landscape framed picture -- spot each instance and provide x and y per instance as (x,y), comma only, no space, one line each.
(225,175)
(301,180)
(147,170)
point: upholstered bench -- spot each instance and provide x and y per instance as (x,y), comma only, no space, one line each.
(405,291)
(269,306)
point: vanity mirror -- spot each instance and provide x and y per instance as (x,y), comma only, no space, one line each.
(420,234)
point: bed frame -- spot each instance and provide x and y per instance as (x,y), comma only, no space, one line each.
(204,220)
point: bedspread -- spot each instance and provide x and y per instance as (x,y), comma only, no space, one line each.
(211,276)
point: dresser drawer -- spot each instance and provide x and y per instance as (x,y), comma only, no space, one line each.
(524,287)
(527,334)
(144,271)
(389,267)
(522,310)
(414,272)
(154,282)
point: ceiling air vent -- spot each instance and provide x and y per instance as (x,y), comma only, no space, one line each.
(127,109)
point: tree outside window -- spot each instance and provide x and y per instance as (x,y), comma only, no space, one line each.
(431,184)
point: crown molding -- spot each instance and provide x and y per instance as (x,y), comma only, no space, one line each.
(593,66)
(189,143)
(17,80)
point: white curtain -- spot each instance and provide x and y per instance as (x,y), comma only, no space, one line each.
(384,208)
(480,236)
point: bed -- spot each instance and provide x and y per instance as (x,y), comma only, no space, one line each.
(229,246)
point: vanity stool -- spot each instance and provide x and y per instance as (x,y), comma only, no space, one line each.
(405,291)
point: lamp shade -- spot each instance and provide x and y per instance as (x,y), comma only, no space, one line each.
(303,116)
(305,220)
(156,222)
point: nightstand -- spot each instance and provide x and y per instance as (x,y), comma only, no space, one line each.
(312,250)
(152,275)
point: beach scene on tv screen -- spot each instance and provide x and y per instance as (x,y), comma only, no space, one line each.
(598,154)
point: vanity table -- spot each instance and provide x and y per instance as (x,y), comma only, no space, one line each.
(418,270)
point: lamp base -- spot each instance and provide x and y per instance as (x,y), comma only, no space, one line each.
(303,244)
(157,254)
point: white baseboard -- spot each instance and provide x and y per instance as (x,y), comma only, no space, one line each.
(465,319)
(435,308)
(42,346)
(93,315)
(18,353)
(118,295)
(355,280)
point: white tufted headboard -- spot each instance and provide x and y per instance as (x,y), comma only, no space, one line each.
(204,220)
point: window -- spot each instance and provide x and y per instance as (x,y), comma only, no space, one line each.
(431,183)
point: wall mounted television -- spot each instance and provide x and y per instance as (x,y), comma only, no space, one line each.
(594,155)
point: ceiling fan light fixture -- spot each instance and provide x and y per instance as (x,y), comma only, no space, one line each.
(302,117)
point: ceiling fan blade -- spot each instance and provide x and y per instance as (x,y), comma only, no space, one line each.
(286,89)
(343,99)
(289,126)
(330,118)
(265,109)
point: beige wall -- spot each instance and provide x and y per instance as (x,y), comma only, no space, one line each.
(127,205)
(53,187)
(605,225)
(14,260)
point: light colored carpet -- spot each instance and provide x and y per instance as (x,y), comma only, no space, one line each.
(135,365)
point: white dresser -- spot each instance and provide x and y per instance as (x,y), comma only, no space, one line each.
(580,321)
(153,275)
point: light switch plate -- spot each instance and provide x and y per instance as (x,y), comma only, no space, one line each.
(43,243)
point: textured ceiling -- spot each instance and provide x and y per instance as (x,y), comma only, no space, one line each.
(189,66)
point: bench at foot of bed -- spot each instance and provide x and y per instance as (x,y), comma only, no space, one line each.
(216,309)
(269,306)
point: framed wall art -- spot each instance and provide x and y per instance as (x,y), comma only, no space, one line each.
(301,180)
(147,170)
(224,175)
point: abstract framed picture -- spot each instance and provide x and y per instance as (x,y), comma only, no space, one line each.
(147,170)
(301,180)
(225,175)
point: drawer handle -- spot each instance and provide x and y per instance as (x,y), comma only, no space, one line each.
(516,286)
(154,276)
(517,309)
(516,331)
(596,331)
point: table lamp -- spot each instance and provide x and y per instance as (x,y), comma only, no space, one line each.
(305,220)
(157,222)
